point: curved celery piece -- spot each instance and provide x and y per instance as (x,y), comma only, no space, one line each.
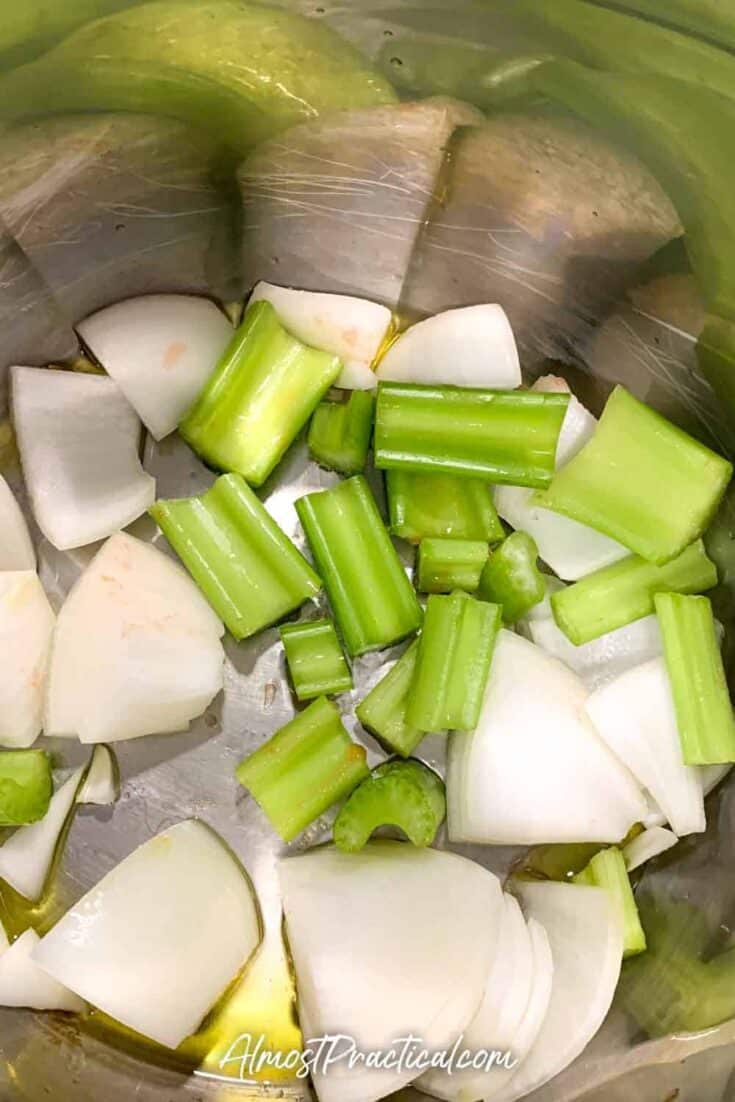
(502,436)
(704,714)
(511,577)
(371,596)
(316,664)
(422,506)
(26,786)
(339,433)
(607,870)
(304,768)
(625,591)
(405,794)
(455,651)
(445,565)
(245,566)
(259,397)
(641,480)
(383,710)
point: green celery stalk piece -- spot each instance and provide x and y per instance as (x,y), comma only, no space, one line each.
(316,664)
(383,710)
(445,565)
(704,714)
(607,870)
(710,19)
(501,436)
(436,506)
(261,394)
(304,768)
(455,651)
(511,577)
(246,567)
(404,794)
(339,433)
(641,480)
(26,786)
(371,596)
(625,591)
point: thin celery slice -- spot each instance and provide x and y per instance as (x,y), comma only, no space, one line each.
(422,506)
(511,577)
(316,664)
(261,394)
(704,712)
(641,480)
(502,436)
(383,710)
(371,596)
(624,592)
(26,786)
(405,794)
(247,568)
(339,433)
(455,651)
(445,565)
(304,768)
(607,870)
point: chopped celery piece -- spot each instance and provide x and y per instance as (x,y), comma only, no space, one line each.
(405,794)
(247,568)
(422,506)
(339,433)
(607,870)
(304,768)
(511,577)
(315,660)
(641,480)
(701,699)
(625,591)
(446,565)
(455,651)
(383,711)
(371,596)
(26,786)
(260,395)
(503,436)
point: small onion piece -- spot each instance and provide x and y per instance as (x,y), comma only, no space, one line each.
(28,854)
(78,440)
(16,548)
(471,346)
(101,784)
(586,941)
(160,350)
(649,844)
(26,626)
(23,983)
(635,716)
(372,970)
(161,936)
(534,770)
(351,328)
(136,650)
(711,775)
(605,658)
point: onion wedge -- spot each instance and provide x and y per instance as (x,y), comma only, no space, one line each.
(586,941)
(605,658)
(26,625)
(351,328)
(16,549)
(158,940)
(23,983)
(438,935)
(535,770)
(649,844)
(101,784)
(27,856)
(136,649)
(635,716)
(78,440)
(471,346)
(160,350)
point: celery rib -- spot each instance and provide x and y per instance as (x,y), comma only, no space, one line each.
(445,565)
(383,711)
(316,664)
(340,432)
(403,794)
(26,786)
(607,870)
(511,577)
(425,506)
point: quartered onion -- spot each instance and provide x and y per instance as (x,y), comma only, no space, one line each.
(26,624)
(23,983)
(26,857)
(16,549)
